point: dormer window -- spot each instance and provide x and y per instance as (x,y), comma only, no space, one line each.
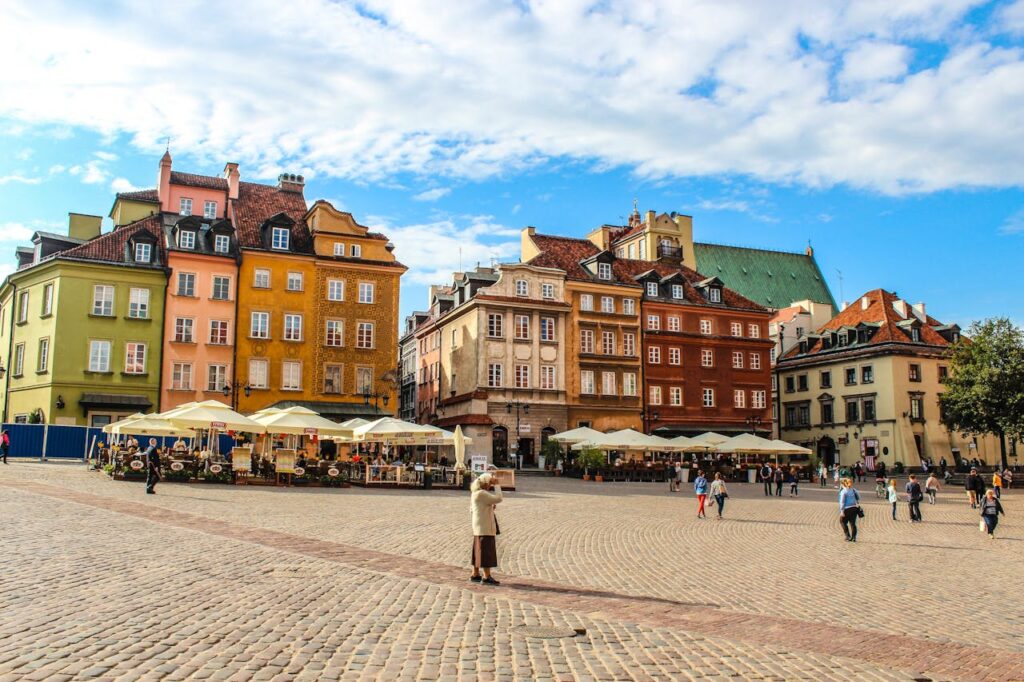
(677,291)
(143,253)
(714,294)
(522,287)
(604,271)
(221,243)
(339,250)
(915,334)
(209,210)
(187,239)
(357,251)
(652,289)
(279,238)
(185,206)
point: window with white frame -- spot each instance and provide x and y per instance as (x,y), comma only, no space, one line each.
(335,290)
(356,251)
(739,398)
(259,374)
(629,344)
(221,288)
(771,355)
(184,330)
(547,329)
(102,301)
(495,375)
(654,322)
(755,361)
(607,304)
(547,290)
(604,271)
(715,295)
(209,209)
(757,399)
(495,325)
(339,249)
(608,383)
(705,326)
(43,358)
(366,292)
(291,376)
(143,252)
(608,343)
(99,356)
(737,359)
(181,376)
(522,376)
(292,327)
(185,207)
(587,382)
(23,307)
(295,281)
(753,331)
(19,360)
(364,380)
(332,378)
(221,243)
(675,396)
(522,287)
(279,238)
(654,355)
(335,333)
(654,395)
(736,329)
(186,284)
(216,377)
(547,377)
(364,335)
(138,303)
(673,323)
(629,383)
(674,356)
(586,340)
(259,327)
(522,327)
(652,289)
(218,332)
(707,357)
(261,279)
(677,291)
(586,302)
(708,395)
(187,239)
(628,306)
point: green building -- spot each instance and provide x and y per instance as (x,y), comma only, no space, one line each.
(81,324)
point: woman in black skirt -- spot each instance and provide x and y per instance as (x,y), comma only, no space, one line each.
(485,527)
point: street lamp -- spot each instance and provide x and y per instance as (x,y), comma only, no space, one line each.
(230,391)
(514,445)
(753,422)
(377,399)
(648,417)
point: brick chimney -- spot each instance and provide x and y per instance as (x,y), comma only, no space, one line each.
(232,175)
(290,182)
(163,182)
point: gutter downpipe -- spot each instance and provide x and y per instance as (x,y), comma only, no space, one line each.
(10,349)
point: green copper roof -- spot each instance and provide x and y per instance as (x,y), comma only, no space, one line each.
(774,279)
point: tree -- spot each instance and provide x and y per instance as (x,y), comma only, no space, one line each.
(985,388)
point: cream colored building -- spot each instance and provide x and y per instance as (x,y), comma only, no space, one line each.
(866,386)
(786,328)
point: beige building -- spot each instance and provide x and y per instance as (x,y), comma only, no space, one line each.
(786,328)
(865,387)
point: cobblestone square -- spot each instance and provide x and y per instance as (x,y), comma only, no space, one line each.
(216,582)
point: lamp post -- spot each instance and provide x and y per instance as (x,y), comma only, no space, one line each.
(518,406)
(377,399)
(648,417)
(753,421)
(230,391)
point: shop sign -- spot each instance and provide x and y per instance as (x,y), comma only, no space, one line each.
(177,466)
(299,471)
(216,468)
(136,464)
(333,471)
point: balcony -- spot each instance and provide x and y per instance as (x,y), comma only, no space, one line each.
(670,252)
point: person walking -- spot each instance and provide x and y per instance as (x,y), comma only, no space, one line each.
(997,483)
(973,485)
(5,443)
(152,467)
(794,482)
(822,475)
(719,493)
(766,477)
(1007,478)
(485,528)
(780,476)
(931,487)
(991,508)
(677,478)
(914,497)
(893,496)
(849,509)
(700,486)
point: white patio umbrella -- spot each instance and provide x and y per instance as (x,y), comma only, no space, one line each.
(750,444)
(297,421)
(576,435)
(684,444)
(785,448)
(709,440)
(625,439)
(211,414)
(113,427)
(393,431)
(151,425)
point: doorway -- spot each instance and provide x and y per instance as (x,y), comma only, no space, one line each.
(528,458)
(827,451)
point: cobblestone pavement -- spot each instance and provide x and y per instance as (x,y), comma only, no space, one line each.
(218,582)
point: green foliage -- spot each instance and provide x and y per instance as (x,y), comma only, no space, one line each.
(590,459)
(552,452)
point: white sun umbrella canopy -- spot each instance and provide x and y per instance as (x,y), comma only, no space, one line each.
(297,421)
(212,414)
(785,448)
(626,439)
(708,441)
(393,431)
(684,444)
(114,426)
(578,435)
(152,425)
(748,443)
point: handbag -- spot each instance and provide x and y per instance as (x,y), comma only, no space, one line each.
(860,512)
(981,525)
(497,528)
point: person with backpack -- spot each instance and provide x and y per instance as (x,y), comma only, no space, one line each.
(794,482)
(991,508)
(893,496)
(5,444)
(766,477)
(849,509)
(700,486)
(914,497)
(719,493)
(975,487)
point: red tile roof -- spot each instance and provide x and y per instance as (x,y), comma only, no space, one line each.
(110,246)
(149,195)
(204,181)
(258,203)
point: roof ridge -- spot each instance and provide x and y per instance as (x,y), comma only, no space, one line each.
(755,248)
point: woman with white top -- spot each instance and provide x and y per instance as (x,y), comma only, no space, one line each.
(719,493)
(849,509)
(893,496)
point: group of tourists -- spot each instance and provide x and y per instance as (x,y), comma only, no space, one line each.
(773,478)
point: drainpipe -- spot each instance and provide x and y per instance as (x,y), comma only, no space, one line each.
(10,349)
(234,330)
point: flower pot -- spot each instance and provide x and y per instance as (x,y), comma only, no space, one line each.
(586,477)
(599,479)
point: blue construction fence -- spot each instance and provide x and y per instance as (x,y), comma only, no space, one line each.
(55,441)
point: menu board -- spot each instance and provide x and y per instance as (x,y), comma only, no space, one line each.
(285,461)
(241,459)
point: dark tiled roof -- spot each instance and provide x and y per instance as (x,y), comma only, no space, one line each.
(204,181)
(58,237)
(258,203)
(772,278)
(148,195)
(691,278)
(109,247)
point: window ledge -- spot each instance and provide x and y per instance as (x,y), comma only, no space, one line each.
(293,340)
(185,296)
(181,390)
(96,317)
(219,300)
(21,323)
(183,343)
(42,371)
(135,374)
(259,338)
(519,340)
(97,373)
(137,319)
(45,316)
(17,376)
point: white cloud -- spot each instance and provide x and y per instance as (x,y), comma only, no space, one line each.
(432,194)
(815,93)
(123,185)
(1011,17)
(105,156)
(1014,224)
(91,172)
(737,205)
(17,177)
(18,232)
(25,154)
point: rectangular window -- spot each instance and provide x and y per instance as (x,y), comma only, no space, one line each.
(827,414)
(607,304)
(586,302)
(138,303)
(675,396)
(629,344)
(294,281)
(652,289)
(867,374)
(495,325)
(181,376)
(677,291)
(851,376)
(547,329)
(943,374)
(708,397)
(364,380)
(707,357)
(339,250)
(586,341)
(143,253)
(99,356)
(366,292)
(187,239)
(608,383)
(628,306)
(522,376)
(654,355)
(737,359)
(826,379)
(754,331)
(547,291)
(916,408)
(221,289)
(755,361)
(608,343)
(258,374)
(279,238)
(43,361)
(757,399)
(705,326)
(547,377)
(259,327)
(335,290)
(221,243)
(184,330)
(522,287)
(495,375)
(186,284)
(332,379)
(292,327)
(522,327)
(739,398)
(654,395)
(364,335)
(23,307)
(771,355)
(356,251)
(335,333)
(604,271)
(291,376)
(185,207)
(801,382)
(261,279)
(209,209)
(19,360)
(736,329)
(673,323)
(852,411)
(47,299)
(674,356)
(915,372)
(218,332)
(216,377)
(629,383)
(869,410)
(102,301)
(790,384)
(715,295)
(654,322)
(587,382)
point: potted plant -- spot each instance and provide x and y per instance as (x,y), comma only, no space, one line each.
(591,459)
(549,454)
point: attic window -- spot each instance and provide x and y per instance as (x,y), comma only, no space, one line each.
(522,287)
(915,334)
(604,271)
(279,238)
(187,239)
(715,295)
(677,291)
(143,253)
(652,288)
(221,243)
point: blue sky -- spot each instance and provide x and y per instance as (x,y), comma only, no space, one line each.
(888,134)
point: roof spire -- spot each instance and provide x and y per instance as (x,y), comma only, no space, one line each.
(634,217)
